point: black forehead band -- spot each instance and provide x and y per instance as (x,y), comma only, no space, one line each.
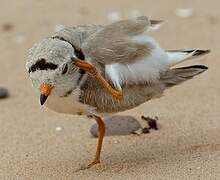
(41,64)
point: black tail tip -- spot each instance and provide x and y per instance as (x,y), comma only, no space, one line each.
(202,52)
(198,52)
(200,67)
(195,67)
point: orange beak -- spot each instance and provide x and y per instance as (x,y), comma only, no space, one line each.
(45,91)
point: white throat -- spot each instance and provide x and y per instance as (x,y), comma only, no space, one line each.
(69,104)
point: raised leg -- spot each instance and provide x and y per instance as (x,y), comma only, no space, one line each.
(93,71)
(101,128)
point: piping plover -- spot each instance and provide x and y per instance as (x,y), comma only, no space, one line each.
(99,70)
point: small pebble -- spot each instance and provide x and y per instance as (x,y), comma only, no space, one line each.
(213,20)
(184,12)
(58,128)
(7,27)
(152,123)
(116,142)
(118,125)
(3,93)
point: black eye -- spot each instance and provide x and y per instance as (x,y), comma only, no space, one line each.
(65,69)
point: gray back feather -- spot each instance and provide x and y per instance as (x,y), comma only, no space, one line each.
(114,44)
(78,34)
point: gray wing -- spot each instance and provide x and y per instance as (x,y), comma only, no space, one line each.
(76,35)
(119,42)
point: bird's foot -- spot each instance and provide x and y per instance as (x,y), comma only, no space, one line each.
(82,168)
(91,69)
(116,94)
(86,67)
(96,161)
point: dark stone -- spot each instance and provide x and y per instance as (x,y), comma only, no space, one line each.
(151,122)
(118,125)
(3,93)
(7,27)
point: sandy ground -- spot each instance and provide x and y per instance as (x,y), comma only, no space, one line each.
(187,146)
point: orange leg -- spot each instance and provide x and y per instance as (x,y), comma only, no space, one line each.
(101,128)
(93,71)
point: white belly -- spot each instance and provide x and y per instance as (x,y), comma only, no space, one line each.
(69,104)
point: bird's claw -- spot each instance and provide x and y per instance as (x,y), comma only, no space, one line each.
(86,67)
(91,69)
(118,95)
(93,163)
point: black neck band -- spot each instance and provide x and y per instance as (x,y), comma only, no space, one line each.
(78,52)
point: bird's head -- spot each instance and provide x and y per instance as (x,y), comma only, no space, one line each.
(51,69)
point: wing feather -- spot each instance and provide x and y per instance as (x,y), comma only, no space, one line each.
(146,69)
(114,44)
(129,57)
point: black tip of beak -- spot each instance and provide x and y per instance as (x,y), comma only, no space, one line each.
(43,99)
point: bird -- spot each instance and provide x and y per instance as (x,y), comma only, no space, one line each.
(100,70)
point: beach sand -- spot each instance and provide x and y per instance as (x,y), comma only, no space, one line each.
(36,143)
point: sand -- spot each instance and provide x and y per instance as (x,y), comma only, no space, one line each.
(36,143)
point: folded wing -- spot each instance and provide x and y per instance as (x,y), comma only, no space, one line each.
(117,43)
(129,56)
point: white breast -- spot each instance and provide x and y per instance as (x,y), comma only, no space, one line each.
(69,104)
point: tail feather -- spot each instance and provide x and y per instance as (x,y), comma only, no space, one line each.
(178,56)
(178,75)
